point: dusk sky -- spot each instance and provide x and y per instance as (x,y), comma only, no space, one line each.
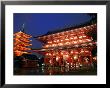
(40,23)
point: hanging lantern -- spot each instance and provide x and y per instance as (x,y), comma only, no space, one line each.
(57,58)
(75,57)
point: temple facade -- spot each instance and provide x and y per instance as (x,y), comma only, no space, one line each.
(73,46)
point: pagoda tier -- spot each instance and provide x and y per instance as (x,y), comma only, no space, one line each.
(19,34)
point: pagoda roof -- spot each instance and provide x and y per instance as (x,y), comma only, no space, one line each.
(67,29)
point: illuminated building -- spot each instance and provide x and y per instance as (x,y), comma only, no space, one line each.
(73,45)
(21,43)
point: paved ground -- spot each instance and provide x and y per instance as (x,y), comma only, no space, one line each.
(54,71)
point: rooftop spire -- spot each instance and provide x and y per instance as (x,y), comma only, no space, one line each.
(22,28)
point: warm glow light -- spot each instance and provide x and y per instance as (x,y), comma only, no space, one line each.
(60,44)
(80,36)
(57,40)
(21,41)
(67,56)
(71,38)
(61,53)
(50,42)
(71,52)
(80,40)
(88,40)
(86,51)
(90,44)
(67,43)
(76,52)
(57,58)
(94,58)
(84,36)
(75,42)
(47,46)
(75,57)
(50,54)
(82,51)
(47,54)
(66,39)
(75,37)
(53,45)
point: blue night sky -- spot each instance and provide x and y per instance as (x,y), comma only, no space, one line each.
(40,23)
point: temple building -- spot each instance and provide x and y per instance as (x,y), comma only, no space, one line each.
(75,46)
